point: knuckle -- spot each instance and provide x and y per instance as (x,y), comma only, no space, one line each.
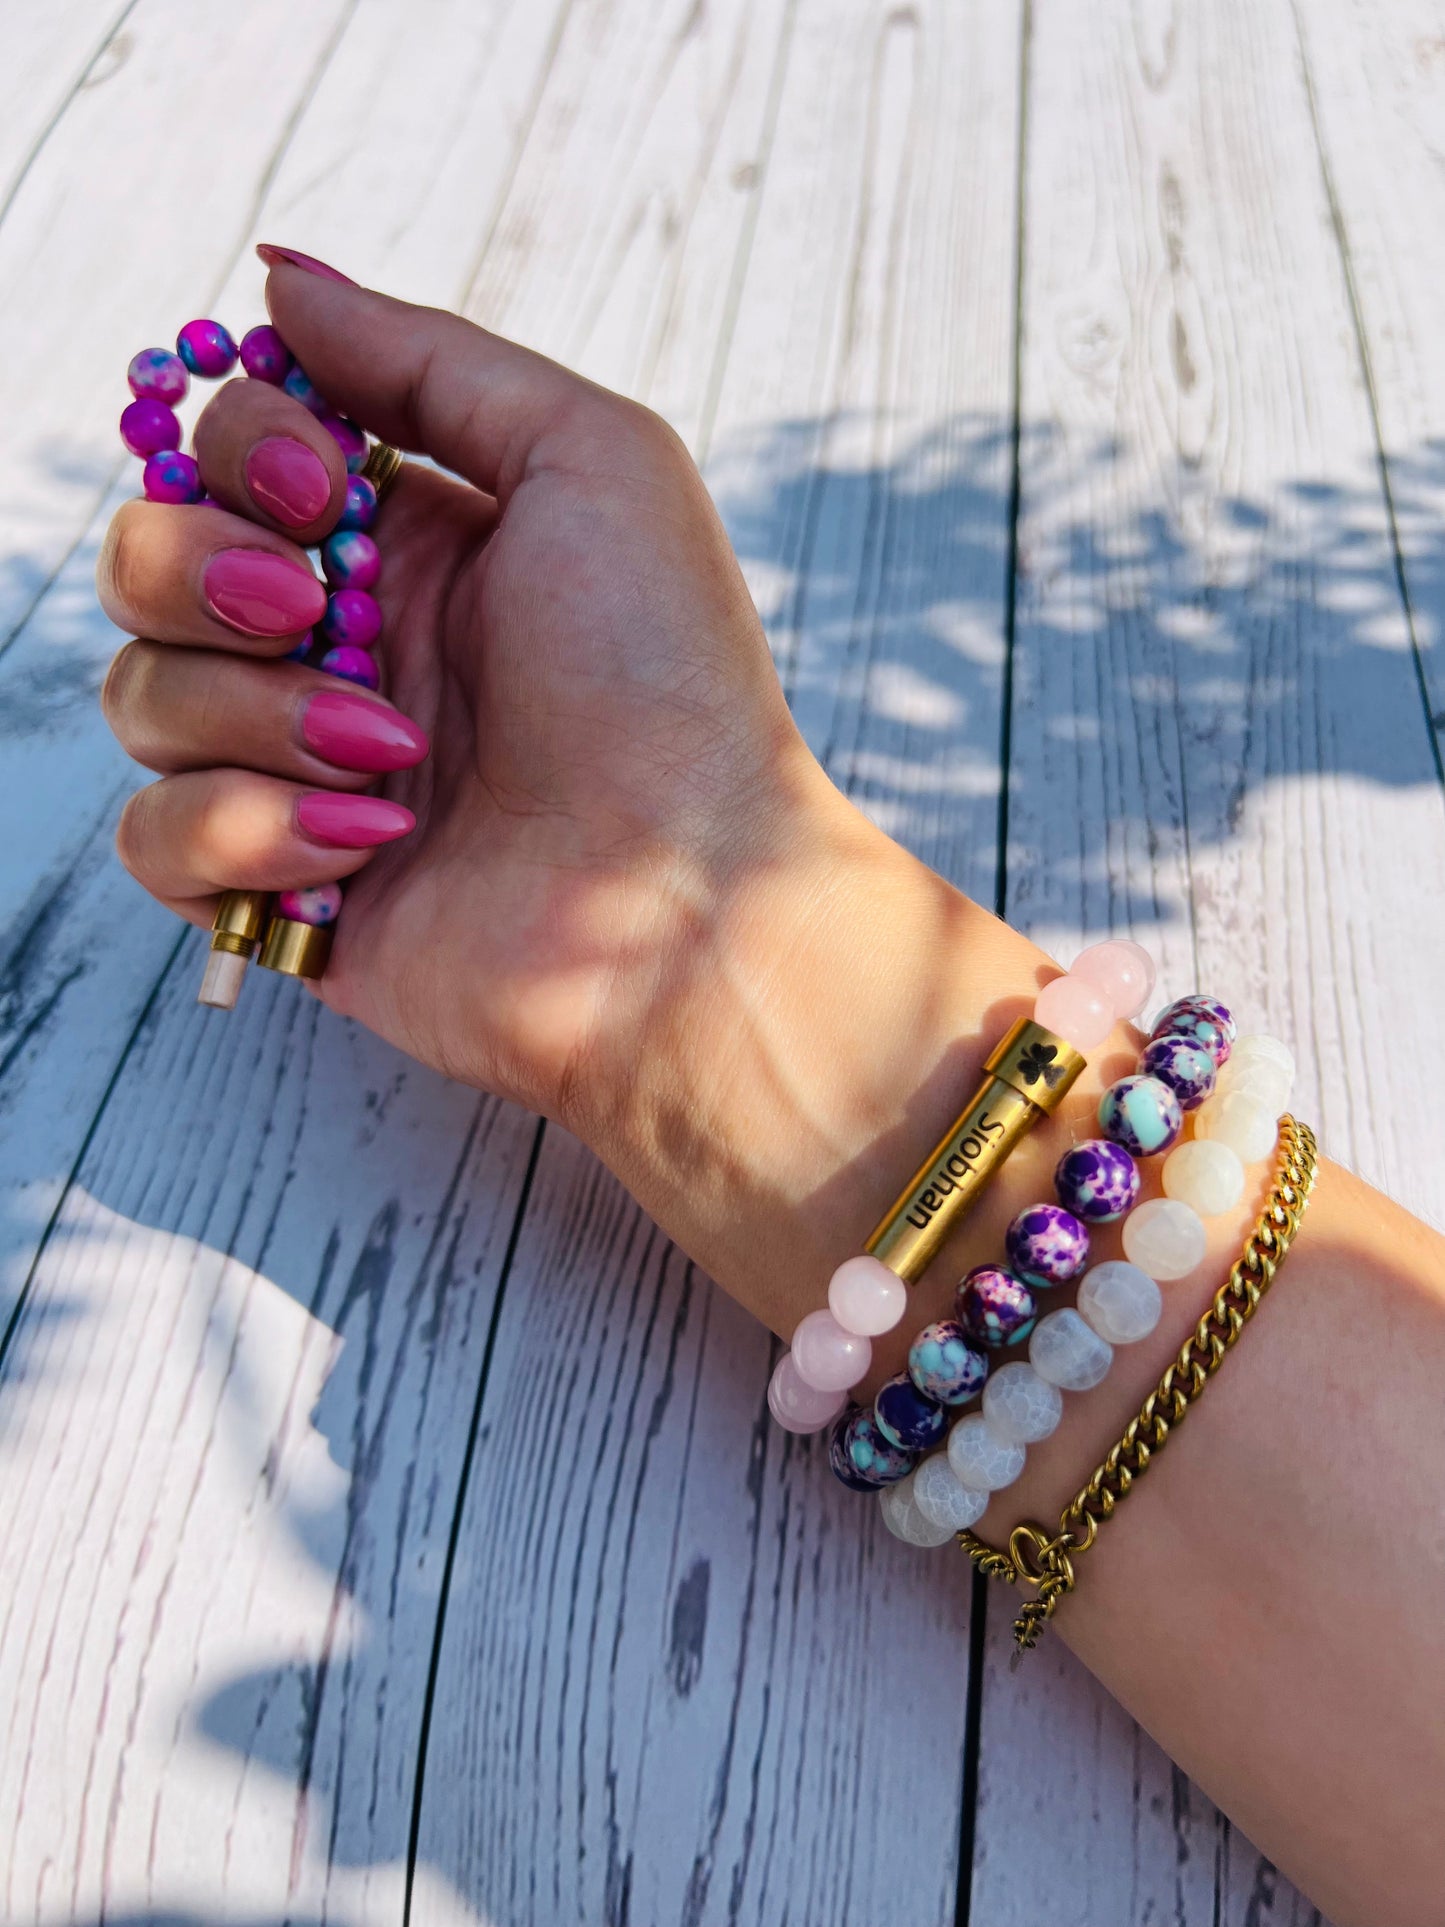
(132,832)
(115,569)
(124,684)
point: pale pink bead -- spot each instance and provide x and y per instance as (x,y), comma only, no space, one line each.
(866,1297)
(797,1405)
(826,1357)
(1121,970)
(1073,1009)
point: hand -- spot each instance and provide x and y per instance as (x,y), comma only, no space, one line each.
(610,751)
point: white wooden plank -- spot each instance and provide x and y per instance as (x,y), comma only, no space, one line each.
(1218,740)
(231,1431)
(1377,76)
(690,1687)
(52,52)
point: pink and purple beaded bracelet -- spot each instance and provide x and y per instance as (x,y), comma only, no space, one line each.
(293,933)
(1193,1063)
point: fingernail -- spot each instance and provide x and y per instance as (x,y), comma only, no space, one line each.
(262,594)
(356,732)
(288,480)
(273,256)
(352,822)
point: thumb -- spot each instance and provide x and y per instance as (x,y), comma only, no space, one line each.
(429,382)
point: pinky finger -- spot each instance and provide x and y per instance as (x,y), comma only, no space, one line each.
(189,837)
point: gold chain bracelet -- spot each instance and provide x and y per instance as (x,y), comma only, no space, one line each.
(1047,1564)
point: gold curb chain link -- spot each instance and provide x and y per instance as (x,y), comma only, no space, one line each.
(1046,1563)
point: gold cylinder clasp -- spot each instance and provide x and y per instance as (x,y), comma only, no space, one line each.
(238,921)
(1026,1075)
(296,949)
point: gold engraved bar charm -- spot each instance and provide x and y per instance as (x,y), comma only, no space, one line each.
(1027,1074)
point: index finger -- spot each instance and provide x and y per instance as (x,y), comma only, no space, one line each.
(266,457)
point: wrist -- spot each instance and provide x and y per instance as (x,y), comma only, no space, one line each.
(821,1025)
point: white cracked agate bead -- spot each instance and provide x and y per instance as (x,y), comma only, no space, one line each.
(905,1521)
(1205,1173)
(980,1458)
(939,1496)
(1020,1406)
(1263,1049)
(1235,1118)
(1068,1353)
(1120,1302)
(1165,1238)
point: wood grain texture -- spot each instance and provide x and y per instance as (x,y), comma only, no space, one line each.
(1218,738)
(686,1689)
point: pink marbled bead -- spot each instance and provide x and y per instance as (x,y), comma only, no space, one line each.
(866,1297)
(1121,970)
(317,906)
(352,665)
(1077,1011)
(171,477)
(350,560)
(828,1358)
(265,356)
(798,1406)
(352,616)
(349,439)
(207,349)
(148,426)
(155,374)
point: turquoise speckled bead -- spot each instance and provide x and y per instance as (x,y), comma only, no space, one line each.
(1142,1114)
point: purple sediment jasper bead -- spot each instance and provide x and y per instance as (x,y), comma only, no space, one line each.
(350,560)
(906,1417)
(1047,1245)
(1141,1114)
(207,349)
(149,427)
(352,617)
(171,477)
(944,1366)
(1097,1180)
(994,1307)
(318,906)
(861,1457)
(265,356)
(1204,1021)
(352,665)
(1186,1067)
(155,374)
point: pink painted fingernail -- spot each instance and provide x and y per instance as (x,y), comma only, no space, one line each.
(273,256)
(288,480)
(352,822)
(262,594)
(360,733)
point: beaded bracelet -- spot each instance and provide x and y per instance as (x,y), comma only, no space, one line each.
(1034,1558)
(1119,1302)
(1026,1077)
(294,932)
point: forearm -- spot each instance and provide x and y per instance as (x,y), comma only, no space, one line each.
(1266,1604)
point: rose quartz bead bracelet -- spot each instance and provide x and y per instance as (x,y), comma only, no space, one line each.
(294,931)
